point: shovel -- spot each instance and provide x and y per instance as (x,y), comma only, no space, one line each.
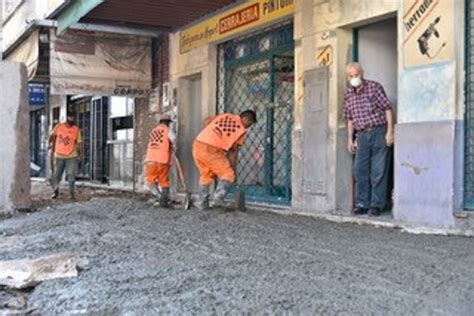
(187,197)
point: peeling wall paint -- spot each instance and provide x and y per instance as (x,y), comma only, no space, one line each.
(424,178)
(427,94)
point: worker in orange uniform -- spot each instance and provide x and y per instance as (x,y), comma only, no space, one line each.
(67,140)
(215,152)
(158,160)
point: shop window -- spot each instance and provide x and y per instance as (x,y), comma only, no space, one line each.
(121,144)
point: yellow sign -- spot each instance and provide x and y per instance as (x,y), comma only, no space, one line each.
(427,31)
(246,16)
(324,56)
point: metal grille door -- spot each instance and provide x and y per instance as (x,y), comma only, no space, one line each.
(257,73)
(469,119)
(83,113)
(99,129)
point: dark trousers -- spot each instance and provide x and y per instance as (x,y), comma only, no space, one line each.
(60,165)
(371,168)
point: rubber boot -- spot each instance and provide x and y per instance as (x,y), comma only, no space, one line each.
(164,198)
(221,191)
(55,194)
(154,190)
(203,200)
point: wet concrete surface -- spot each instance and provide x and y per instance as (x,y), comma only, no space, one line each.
(148,261)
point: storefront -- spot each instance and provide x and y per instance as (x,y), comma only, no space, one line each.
(298,87)
(107,129)
(249,65)
(257,72)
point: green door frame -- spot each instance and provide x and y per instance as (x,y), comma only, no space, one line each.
(269,191)
(468,199)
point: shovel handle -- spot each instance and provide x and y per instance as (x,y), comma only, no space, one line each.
(180,170)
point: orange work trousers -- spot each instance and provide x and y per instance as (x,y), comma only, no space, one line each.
(158,173)
(212,162)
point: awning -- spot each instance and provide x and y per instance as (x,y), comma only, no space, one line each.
(164,15)
(75,12)
(27,53)
(91,63)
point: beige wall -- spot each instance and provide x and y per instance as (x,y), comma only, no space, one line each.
(310,28)
(320,23)
(201,61)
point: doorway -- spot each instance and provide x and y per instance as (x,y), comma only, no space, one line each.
(190,124)
(375,48)
(257,72)
(91,116)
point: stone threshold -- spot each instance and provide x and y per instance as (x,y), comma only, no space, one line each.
(384,221)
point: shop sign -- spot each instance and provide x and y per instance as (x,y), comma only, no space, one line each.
(246,16)
(37,94)
(124,122)
(100,64)
(427,31)
(324,56)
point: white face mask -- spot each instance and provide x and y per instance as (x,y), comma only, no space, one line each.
(356,81)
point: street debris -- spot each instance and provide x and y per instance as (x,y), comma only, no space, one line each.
(27,273)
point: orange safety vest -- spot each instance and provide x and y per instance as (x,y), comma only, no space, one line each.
(159,145)
(223,131)
(66,138)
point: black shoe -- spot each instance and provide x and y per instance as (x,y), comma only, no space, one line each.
(359,211)
(165,204)
(55,194)
(374,211)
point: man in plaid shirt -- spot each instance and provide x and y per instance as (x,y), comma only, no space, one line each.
(369,118)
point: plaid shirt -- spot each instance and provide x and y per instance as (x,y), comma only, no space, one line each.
(367,107)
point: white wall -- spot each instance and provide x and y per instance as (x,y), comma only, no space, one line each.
(23,16)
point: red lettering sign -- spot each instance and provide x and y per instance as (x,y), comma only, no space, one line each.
(240,18)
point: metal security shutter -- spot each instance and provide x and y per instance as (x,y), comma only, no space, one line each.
(469,119)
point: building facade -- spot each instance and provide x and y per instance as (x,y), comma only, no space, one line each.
(286,60)
(104,74)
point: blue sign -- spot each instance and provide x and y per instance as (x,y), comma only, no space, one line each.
(37,94)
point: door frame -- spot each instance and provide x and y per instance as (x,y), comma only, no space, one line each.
(355,58)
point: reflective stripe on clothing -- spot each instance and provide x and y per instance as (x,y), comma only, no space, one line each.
(159,145)
(223,132)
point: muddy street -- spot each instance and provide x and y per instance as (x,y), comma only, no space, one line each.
(143,260)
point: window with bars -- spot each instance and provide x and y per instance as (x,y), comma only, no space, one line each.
(257,72)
